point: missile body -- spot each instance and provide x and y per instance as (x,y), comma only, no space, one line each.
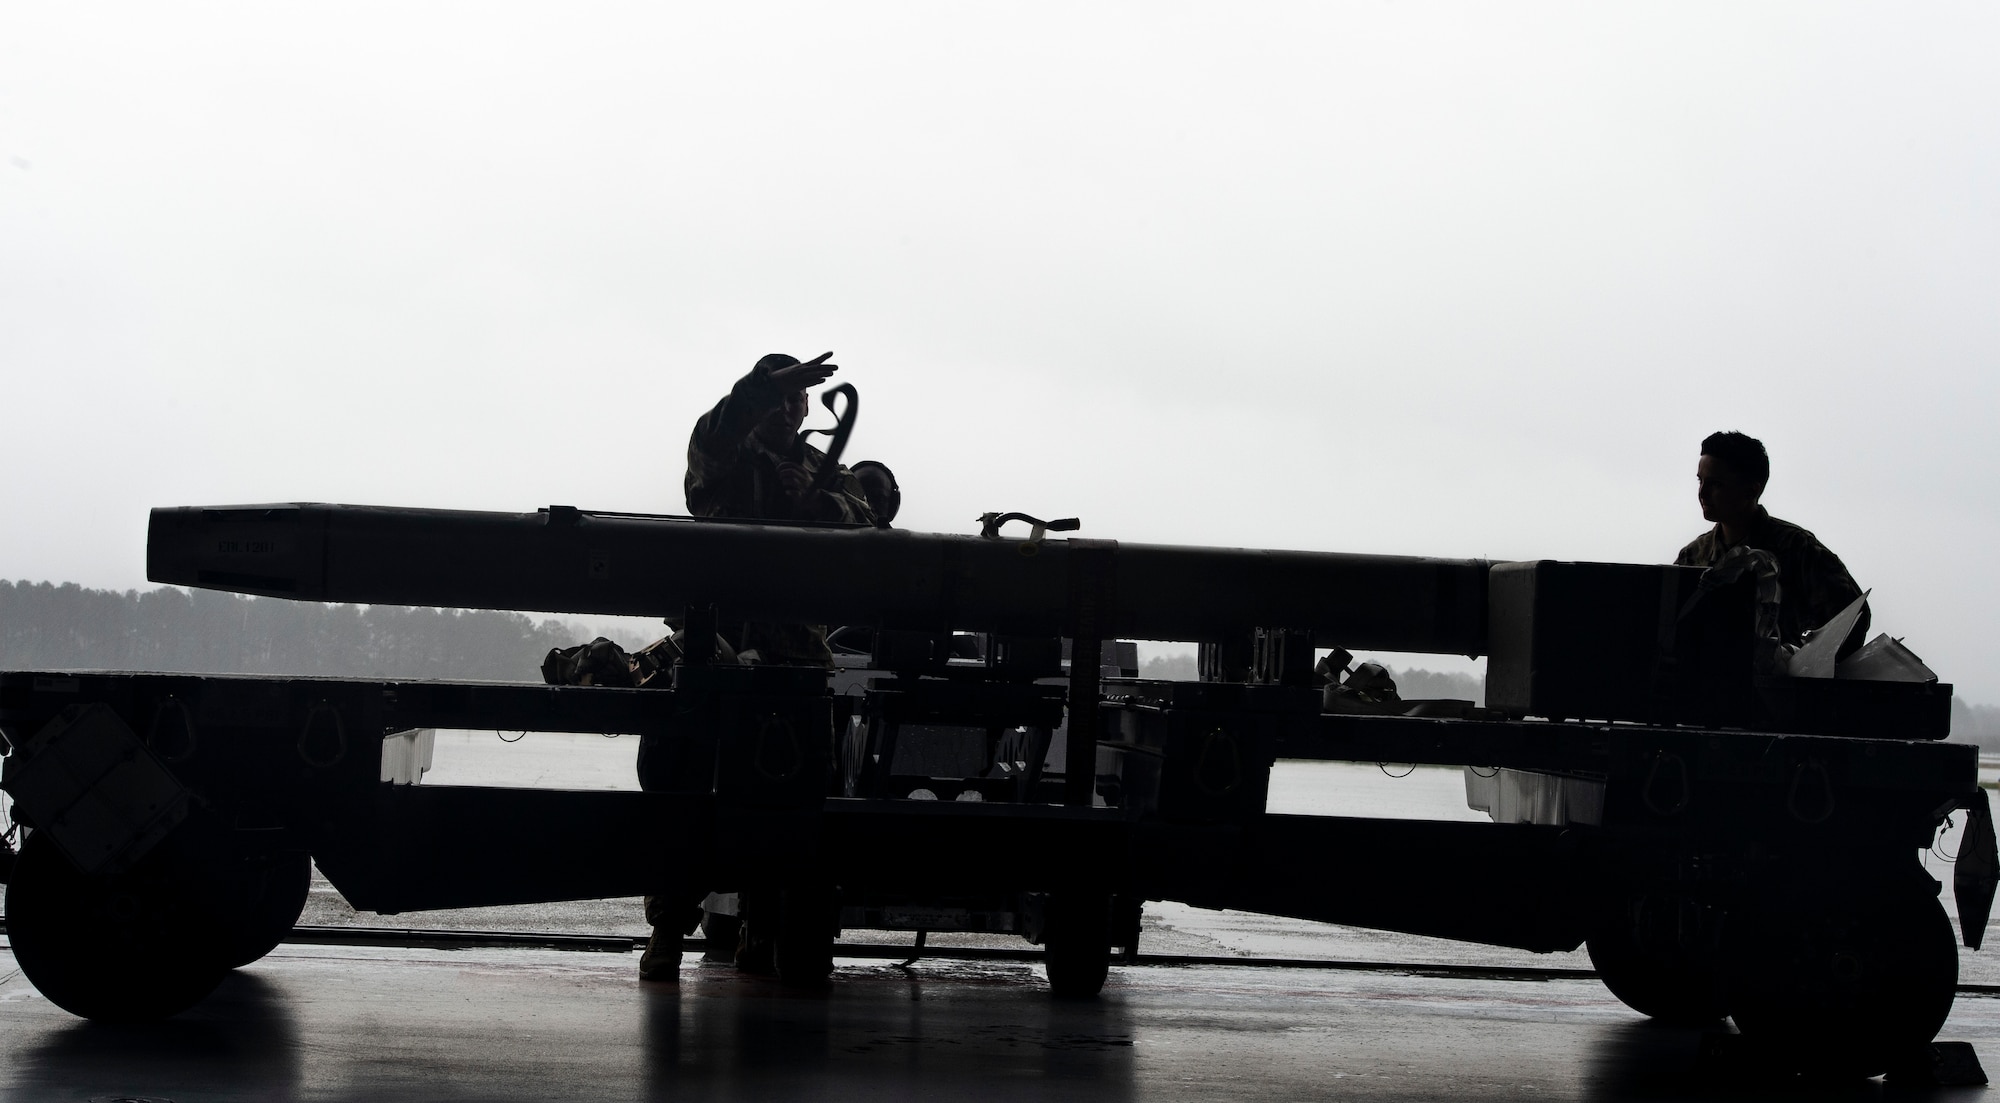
(564,560)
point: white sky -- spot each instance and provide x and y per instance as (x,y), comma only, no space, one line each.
(1461,280)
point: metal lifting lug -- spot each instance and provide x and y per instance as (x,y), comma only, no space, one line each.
(989,525)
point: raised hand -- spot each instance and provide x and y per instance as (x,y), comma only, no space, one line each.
(811,373)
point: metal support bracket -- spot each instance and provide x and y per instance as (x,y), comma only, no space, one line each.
(1978,871)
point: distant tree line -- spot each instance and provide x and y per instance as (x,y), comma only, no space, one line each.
(1976,724)
(201,631)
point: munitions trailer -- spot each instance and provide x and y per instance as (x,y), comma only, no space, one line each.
(1725,842)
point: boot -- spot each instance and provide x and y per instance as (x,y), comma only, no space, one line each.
(662,959)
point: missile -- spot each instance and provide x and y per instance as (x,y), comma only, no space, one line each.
(566,560)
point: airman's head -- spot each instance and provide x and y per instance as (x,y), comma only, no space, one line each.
(779,428)
(1731,477)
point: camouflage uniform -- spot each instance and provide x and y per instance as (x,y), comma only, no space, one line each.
(732,474)
(1813,584)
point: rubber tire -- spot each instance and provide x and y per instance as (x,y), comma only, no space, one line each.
(131,947)
(1078,937)
(1671,987)
(273,896)
(1843,987)
(804,952)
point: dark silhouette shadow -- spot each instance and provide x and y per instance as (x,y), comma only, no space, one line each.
(948,1025)
(1649,1061)
(243,1033)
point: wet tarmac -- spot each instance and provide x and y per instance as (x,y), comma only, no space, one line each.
(314,1023)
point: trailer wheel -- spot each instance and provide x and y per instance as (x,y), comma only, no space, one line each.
(1843,984)
(129,947)
(804,953)
(1078,937)
(1652,975)
(273,892)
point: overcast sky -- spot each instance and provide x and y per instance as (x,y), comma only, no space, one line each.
(1459,280)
